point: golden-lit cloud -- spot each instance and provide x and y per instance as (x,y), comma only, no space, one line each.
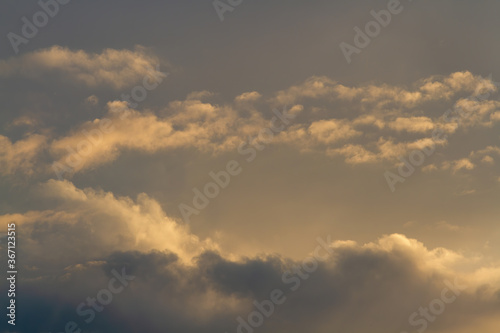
(412,124)
(20,156)
(329,131)
(364,194)
(248,97)
(194,124)
(430,89)
(383,122)
(113,68)
(111,223)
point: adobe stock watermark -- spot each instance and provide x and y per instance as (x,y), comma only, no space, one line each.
(222,178)
(372,29)
(29,29)
(222,6)
(294,278)
(420,319)
(95,137)
(417,157)
(104,297)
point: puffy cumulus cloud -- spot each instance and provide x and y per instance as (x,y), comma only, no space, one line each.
(114,68)
(430,89)
(359,137)
(486,155)
(21,155)
(488,160)
(457,165)
(382,122)
(248,97)
(192,124)
(313,88)
(366,124)
(101,140)
(328,131)
(482,161)
(445,87)
(495,116)
(383,150)
(372,287)
(369,120)
(412,124)
(354,154)
(87,223)
(199,95)
(472,112)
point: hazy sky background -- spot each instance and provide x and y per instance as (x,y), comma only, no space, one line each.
(322,175)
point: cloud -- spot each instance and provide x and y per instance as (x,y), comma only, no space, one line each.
(448,226)
(328,131)
(461,164)
(88,223)
(430,89)
(183,284)
(445,87)
(361,287)
(412,124)
(248,97)
(360,137)
(485,153)
(114,68)
(92,100)
(355,154)
(365,124)
(193,124)
(384,150)
(20,155)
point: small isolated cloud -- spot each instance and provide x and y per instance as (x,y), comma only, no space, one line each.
(248,97)
(25,121)
(447,226)
(114,68)
(462,164)
(430,168)
(465,192)
(92,100)
(458,165)
(409,224)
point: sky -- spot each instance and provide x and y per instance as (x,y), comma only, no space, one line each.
(250,166)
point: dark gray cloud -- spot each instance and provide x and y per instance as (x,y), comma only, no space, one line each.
(375,287)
